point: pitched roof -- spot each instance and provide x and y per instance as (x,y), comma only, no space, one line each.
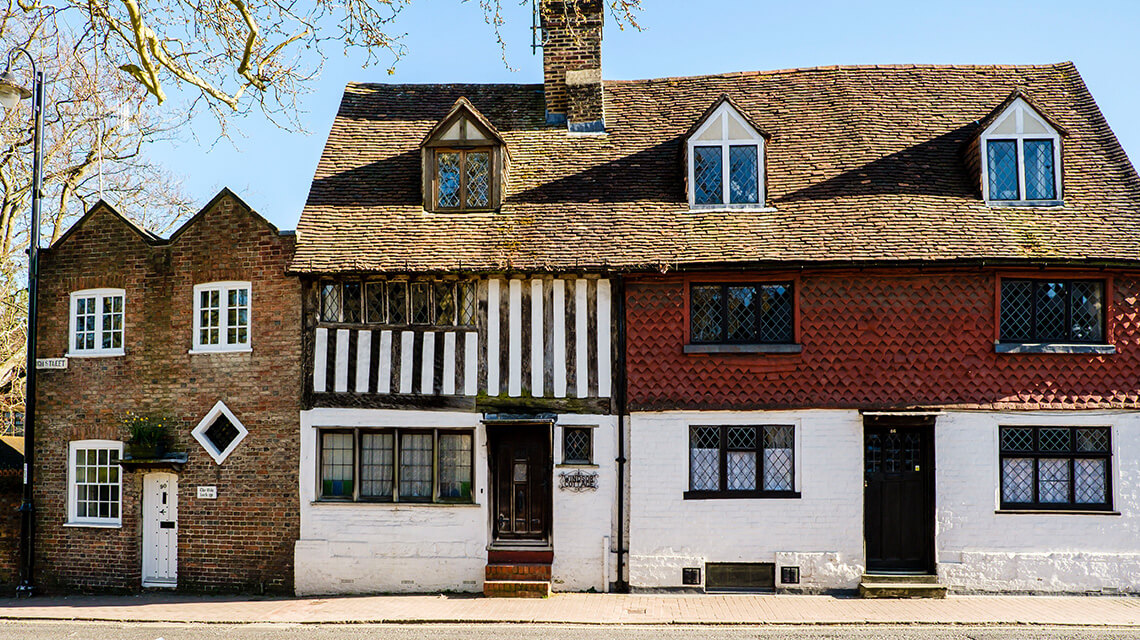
(864,164)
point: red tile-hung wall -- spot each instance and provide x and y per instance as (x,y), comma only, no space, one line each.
(880,339)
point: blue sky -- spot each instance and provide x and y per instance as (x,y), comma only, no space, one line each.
(447,41)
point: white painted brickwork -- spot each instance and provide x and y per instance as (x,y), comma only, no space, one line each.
(370,548)
(824,526)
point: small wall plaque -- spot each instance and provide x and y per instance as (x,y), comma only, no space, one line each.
(578,481)
(51,363)
(208,493)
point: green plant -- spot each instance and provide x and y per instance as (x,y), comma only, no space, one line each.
(148,429)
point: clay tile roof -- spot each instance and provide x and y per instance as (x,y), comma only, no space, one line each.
(864,164)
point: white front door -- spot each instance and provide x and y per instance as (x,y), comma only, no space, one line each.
(160,530)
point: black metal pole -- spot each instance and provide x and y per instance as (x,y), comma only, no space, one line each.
(27,508)
(622,584)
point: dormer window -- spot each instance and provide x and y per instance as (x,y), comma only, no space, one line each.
(463,162)
(725,160)
(1021,156)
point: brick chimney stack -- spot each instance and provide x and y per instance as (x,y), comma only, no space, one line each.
(572,62)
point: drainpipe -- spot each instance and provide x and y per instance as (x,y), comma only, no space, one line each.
(622,585)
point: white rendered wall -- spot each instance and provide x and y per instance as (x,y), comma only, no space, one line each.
(821,532)
(376,547)
(980,550)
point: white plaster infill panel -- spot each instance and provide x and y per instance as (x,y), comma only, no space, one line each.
(199,432)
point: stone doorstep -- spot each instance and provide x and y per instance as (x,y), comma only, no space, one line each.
(899,578)
(517,572)
(901,586)
(516,588)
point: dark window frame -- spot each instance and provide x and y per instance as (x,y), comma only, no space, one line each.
(1035,337)
(1021,167)
(1071,454)
(724,311)
(723,491)
(589,459)
(357,439)
(458,315)
(462,151)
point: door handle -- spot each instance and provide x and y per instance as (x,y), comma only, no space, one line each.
(502,521)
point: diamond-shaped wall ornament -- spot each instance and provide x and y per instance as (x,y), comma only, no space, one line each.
(220,432)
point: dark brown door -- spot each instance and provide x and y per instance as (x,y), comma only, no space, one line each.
(898,497)
(520,466)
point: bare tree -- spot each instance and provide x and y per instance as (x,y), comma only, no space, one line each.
(95,128)
(235,55)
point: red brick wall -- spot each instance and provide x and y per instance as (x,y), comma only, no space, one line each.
(11,496)
(243,540)
(878,339)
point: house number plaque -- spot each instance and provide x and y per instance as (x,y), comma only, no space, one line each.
(208,493)
(577,481)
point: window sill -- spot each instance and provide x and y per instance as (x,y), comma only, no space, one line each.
(394,505)
(744,348)
(575,465)
(1053,512)
(719,495)
(1054,347)
(1053,204)
(197,352)
(723,208)
(100,354)
(94,525)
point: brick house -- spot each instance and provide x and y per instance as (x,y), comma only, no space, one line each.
(202,327)
(845,321)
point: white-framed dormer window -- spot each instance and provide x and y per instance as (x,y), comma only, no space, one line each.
(222,316)
(725,162)
(1021,158)
(96,326)
(94,483)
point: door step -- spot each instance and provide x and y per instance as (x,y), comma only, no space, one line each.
(897,585)
(517,580)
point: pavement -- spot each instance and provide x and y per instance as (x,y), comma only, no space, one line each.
(585,608)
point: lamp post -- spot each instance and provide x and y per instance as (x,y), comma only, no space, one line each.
(11,92)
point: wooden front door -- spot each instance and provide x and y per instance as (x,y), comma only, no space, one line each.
(898,497)
(160,530)
(520,470)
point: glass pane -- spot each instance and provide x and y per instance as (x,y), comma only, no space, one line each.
(1039,183)
(707,175)
(1017,310)
(576,445)
(1053,439)
(444,302)
(1094,439)
(777,312)
(741,314)
(1002,161)
(374,302)
(421,303)
(1087,311)
(336,464)
(351,293)
(705,317)
(1053,480)
(1017,438)
(455,466)
(1091,481)
(377,464)
(1052,309)
(778,458)
(741,470)
(330,302)
(467,303)
(415,466)
(447,176)
(1017,480)
(478,179)
(704,458)
(742,173)
(742,437)
(398,302)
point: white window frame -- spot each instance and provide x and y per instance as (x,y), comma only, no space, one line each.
(98,352)
(1020,110)
(199,432)
(725,144)
(223,288)
(72,488)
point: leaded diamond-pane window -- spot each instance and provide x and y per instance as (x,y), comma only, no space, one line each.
(577,445)
(464,179)
(398,302)
(421,302)
(468,305)
(447,176)
(478,171)
(742,313)
(741,461)
(708,175)
(1052,311)
(742,174)
(444,302)
(351,302)
(330,302)
(1055,468)
(1039,172)
(374,298)
(1002,162)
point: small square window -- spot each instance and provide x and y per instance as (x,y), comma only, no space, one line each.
(219,432)
(577,445)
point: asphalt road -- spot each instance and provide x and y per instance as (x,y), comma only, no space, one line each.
(152,631)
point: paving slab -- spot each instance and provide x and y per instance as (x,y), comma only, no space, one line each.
(582,608)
